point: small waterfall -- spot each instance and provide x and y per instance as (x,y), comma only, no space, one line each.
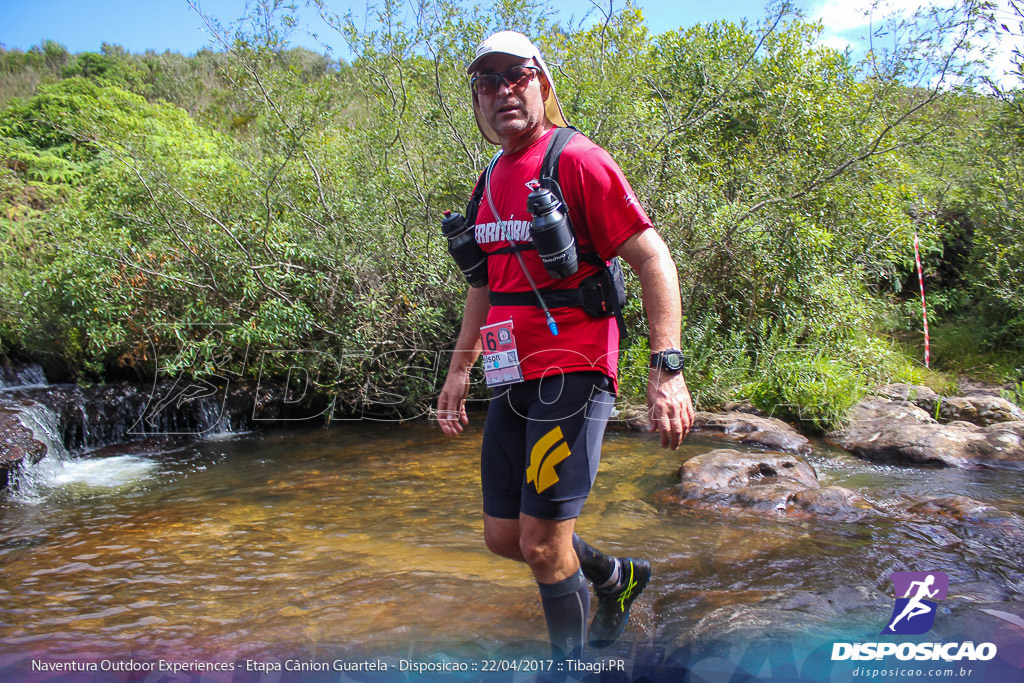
(21,376)
(68,422)
(45,428)
(59,469)
(29,480)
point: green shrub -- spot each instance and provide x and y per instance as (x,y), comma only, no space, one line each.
(1015,394)
(808,387)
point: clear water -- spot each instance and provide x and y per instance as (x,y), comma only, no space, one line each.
(366,537)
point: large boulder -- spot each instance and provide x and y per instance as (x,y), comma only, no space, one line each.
(893,431)
(978,407)
(779,483)
(907,393)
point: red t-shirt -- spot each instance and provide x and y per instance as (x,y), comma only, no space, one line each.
(604,213)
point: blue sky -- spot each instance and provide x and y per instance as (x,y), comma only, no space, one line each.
(159,25)
(140,25)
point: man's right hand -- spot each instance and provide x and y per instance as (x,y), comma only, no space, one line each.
(451,404)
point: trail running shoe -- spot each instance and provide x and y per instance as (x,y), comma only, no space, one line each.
(613,606)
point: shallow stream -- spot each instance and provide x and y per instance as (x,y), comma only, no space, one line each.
(366,538)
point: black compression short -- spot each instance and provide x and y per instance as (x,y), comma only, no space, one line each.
(542,445)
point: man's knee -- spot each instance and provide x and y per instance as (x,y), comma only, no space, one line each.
(502,538)
(538,553)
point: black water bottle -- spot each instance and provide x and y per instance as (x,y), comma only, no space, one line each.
(551,233)
(468,255)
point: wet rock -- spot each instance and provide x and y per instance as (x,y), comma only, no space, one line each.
(21,375)
(78,418)
(784,616)
(630,418)
(727,469)
(85,418)
(979,407)
(779,483)
(891,431)
(17,443)
(89,417)
(741,424)
(752,430)
(835,502)
(968,510)
(1001,623)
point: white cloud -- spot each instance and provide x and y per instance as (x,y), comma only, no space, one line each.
(844,16)
(837,43)
(839,16)
(846,24)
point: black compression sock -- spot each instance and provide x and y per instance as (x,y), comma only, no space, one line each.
(566,608)
(597,567)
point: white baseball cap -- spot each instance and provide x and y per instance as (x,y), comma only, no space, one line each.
(517,45)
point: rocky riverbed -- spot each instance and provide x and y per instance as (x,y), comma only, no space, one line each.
(900,424)
(758,533)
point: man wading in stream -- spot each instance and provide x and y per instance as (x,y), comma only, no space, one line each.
(551,352)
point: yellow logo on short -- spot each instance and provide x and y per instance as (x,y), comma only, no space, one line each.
(549,451)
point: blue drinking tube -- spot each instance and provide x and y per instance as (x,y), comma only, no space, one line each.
(522,264)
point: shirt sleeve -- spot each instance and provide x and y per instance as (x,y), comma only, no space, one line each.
(603,208)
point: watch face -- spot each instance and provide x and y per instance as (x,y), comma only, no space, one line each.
(670,360)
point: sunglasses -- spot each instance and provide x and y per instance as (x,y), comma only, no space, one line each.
(516,77)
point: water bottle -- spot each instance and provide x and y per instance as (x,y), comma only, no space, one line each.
(468,255)
(551,233)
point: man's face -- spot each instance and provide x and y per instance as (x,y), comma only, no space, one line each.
(514,112)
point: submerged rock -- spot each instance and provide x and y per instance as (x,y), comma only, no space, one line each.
(736,426)
(752,430)
(779,483)
(772,623)
(968,510)
(834,502)
(892,431)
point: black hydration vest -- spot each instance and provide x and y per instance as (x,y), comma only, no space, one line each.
(601,295)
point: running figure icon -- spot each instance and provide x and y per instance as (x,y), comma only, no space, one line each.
(915,606)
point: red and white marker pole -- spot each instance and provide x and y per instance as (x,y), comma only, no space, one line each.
(924,306)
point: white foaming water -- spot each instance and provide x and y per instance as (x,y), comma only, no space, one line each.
(33,484)
(58,470)
(115,471)
(45,428)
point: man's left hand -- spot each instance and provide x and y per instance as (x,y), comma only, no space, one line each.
(670,407)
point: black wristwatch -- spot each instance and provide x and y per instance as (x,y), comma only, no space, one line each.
(669,360)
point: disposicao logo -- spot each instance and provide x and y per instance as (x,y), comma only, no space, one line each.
(915,607)
(913,613)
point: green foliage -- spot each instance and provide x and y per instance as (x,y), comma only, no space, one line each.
(268,202)
(807,387)
(1015,394)
(963,346)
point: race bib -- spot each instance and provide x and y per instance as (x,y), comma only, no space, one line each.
(501,360)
